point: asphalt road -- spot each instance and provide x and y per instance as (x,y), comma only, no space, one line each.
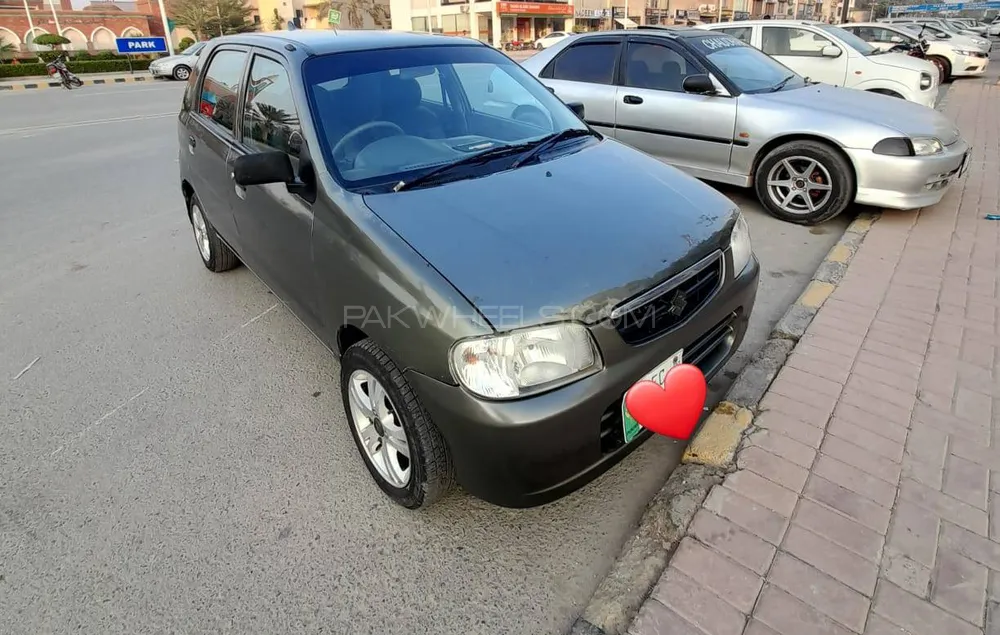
(177,458)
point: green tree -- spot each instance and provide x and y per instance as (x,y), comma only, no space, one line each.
(354,11)
(51,40)
(6,47)
(193,14)
(185,43)
(231,16)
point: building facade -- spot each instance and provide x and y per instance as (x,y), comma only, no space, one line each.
(93,28)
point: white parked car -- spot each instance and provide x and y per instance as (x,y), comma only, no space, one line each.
(944,31)
(177,66)
(552,38)
(951,59)
(829,54)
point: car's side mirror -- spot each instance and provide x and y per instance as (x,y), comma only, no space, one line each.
(262,168)
(832,51)
(577,108)
(551,90)
(700,84)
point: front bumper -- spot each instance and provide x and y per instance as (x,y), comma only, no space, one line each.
(532,451)
(970,65)
(161,72)
(906,182)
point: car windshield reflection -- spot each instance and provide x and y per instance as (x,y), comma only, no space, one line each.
(395,115)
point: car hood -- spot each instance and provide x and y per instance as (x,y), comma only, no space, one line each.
(907,117)
(569,238)
(171,59)
(902,60)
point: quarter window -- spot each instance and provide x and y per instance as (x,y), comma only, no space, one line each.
(270,120)
(741,33)
(656,67)
(430,87)
(221,86)
(793,42)
(592,63)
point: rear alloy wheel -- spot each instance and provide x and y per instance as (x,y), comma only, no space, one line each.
(215,254)
(804,182)
(401,447)
(181,73)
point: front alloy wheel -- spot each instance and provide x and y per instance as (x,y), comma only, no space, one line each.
(383,439)
(804,182)
(181,73)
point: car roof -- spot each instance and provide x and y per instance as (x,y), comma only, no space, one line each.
(768,23)
(322,42)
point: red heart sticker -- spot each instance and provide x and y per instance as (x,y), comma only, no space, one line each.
(674,409)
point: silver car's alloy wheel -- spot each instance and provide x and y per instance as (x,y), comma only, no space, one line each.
(799,185)
(383,438)
(182,73)
(200,233)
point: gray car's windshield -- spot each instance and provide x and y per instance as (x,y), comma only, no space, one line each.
(388,116)
(745,66)
(849,39)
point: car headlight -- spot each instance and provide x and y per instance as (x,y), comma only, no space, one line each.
(963,52)
(524,362)
(926,81)
(923,146)
(739,244)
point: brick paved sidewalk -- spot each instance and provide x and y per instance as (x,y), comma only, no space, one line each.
(869,499)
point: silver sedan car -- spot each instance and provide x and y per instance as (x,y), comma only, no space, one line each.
(177,66)
(724,111)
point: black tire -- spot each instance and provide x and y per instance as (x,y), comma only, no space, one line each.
(799,153)
(943,66)
(181,73)
(219,256)
(431,470)
(76,81)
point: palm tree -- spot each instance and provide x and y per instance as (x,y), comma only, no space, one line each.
(354,11)
(6,47)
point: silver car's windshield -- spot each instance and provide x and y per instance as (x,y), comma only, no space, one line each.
(849,39)
(386,116)
(745,66)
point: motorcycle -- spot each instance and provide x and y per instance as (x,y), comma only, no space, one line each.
(57,67)
(919,50)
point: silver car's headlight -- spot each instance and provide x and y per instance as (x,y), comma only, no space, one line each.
(963,52)
(739,244)
(524,362)
(923,146)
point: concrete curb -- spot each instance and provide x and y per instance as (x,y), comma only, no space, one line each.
(710,455)
(86,82)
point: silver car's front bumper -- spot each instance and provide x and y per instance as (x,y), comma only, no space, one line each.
(161,72)
(906,182)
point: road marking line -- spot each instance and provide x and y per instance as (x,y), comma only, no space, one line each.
(27,368)
(93,122)
(103,419)
(251,321)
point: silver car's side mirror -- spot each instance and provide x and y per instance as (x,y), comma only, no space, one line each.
(832,51)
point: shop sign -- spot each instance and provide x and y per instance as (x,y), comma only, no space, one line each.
(591,14)
(534,8)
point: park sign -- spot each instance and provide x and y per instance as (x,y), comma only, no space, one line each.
(137,45)
(334,17)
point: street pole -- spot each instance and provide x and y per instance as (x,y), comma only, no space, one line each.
(55,18)
(625,21)
(166,27)
(31,24)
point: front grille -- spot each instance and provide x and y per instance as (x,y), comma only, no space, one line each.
(704,353)
(671,304)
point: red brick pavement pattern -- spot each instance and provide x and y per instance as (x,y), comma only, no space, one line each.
(868,501)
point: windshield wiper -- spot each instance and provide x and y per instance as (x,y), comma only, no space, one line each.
(550,141)
(486,155)
(781,84)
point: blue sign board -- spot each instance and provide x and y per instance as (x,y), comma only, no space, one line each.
(135,45)
(950,6)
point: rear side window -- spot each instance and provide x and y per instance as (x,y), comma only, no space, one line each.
(270,120)
(220,89)
(591,63)
(779,40)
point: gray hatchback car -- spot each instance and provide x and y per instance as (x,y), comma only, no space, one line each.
(492,274)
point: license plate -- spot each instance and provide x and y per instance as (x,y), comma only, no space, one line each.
(630,426)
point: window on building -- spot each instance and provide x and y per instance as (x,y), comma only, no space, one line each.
(270,120)
(220,89)
(592,63)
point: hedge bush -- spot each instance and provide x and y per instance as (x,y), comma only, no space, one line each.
(80,68)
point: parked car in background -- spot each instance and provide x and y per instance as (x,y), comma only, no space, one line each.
(552,38)
(723,111)
(944,31)
(831,55)
(969,24)
(177,66)
(493,282)
(951,60)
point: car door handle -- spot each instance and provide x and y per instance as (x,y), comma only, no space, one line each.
(632,99)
